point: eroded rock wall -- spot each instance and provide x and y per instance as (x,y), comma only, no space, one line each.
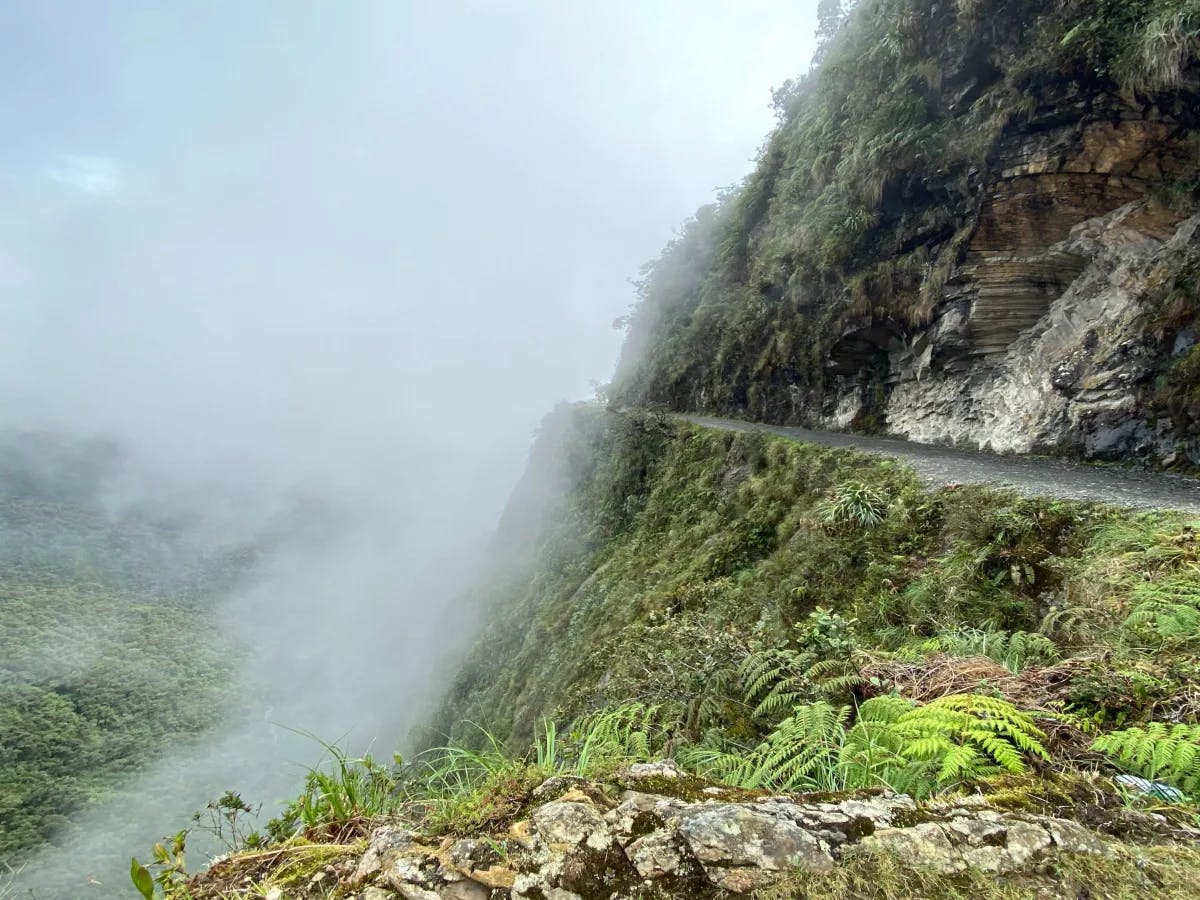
(1039,341)
(1074,379)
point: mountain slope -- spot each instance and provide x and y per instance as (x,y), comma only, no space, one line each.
(973,223)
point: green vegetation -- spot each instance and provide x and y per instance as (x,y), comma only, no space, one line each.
(697,571)
(108,649)
(1169,753)
(893,743)
(918,638)
(865,196)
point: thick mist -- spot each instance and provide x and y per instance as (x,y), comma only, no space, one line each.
(339,258)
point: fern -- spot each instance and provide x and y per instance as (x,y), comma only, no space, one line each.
(800,754)
(969,736)
(833,677)
(1160,752)
(893,743)
(872,755)
(629,732)
(1168,607)
(774,681)
(1014,650)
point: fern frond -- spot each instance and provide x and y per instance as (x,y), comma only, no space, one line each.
(1160,752)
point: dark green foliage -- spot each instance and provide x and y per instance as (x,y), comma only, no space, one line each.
(892,742)
(1169,753)
(726,600)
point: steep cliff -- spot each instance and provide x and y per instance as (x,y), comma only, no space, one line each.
(726,664)
(974,223)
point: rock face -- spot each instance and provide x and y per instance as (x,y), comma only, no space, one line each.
(993,371)
(1014,298)
(1041,339)
(589,844)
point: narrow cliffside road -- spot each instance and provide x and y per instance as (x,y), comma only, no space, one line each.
(1034,476)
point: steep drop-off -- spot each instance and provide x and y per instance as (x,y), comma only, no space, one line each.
(673,553)
(974,223)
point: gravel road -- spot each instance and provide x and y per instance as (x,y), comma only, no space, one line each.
(1035,476)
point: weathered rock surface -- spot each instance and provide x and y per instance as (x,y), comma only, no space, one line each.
(1029,320)
(588,844)
(1000,375)
(1039,341)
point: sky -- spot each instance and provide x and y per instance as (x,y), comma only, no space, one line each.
(311,240)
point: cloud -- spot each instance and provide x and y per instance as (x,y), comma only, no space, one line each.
(96,176)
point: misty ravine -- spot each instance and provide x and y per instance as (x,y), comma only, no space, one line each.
(284,295)
(873,572)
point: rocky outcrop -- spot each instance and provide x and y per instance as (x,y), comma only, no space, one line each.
(672,835)
(1039,341)
(1073,380)
(1005,296)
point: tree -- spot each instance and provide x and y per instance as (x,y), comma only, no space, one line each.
(831,16)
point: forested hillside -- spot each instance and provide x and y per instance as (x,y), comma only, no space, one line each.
(109,650)
(683,559)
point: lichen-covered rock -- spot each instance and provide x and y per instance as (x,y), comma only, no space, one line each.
(582,847)
(640,813)
(666,768)
(384,842)
(566,824)
(660,854)
(986,840)
(741,846)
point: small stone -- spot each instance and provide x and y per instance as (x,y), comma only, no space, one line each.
(494,877)
(382,842)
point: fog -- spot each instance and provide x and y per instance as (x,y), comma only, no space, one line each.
(348,253)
